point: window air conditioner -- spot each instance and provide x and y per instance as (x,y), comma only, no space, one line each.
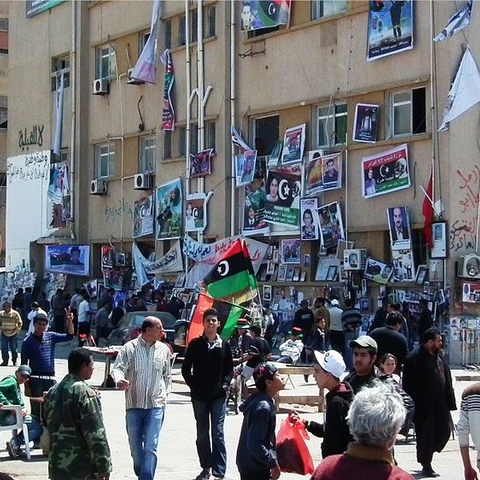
(100,86)
(142,181)
(133,81)
(354,258)
(98,187)
(469,266)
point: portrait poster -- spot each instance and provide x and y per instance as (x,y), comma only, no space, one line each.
(248,170)
(365,123)
(471,293)
(282,204)
(169,210)
(390,28)
(195,212)
(108,257)
(293,144)
(290,251)
(143,216)
(238,160)
(399,227)
(403,266)
(310,224)
(115,279)
(70,259)
(386,172)
(331,225)
(256,14)
(58,191)
(439,239)
(201,163)
(254,209)
(378,271)
(276,154)
(314,173)
(332,171)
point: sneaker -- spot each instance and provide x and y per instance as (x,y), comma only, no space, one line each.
(204,475)
(12,449)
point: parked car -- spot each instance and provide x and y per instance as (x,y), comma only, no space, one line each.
(129,327)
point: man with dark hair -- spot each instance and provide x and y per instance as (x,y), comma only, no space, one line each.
(425,320)
(83,318)
(256,452)
(10,326)
(106,297)
(351,323)
(208,370)
(72,413)
(427,379)
(38,351)
(390,340)
(364,356)
(143,369)
(75,257)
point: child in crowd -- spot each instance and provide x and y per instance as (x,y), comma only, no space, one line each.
(388,365)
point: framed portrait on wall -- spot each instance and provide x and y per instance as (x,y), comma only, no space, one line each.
(439,240)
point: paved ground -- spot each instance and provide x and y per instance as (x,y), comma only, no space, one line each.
(177,455)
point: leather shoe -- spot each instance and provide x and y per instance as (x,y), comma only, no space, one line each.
(427,471)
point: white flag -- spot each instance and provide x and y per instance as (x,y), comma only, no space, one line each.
(144,69)
(465,91)
(457,22)
(57,141)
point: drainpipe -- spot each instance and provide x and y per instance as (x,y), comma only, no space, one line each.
(232,115)
(73,79)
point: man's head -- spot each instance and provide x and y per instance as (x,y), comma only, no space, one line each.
(349,303)
(304,304)
(328,367)
(319,302)
(364,354)
(394,320)
(423,304)
(80,362)
(83,293)
(376,415)
(242,326)
(432,340)
(152,329)
(267,378)
(40,324)
(210,321)
(296,333)
(7,306)
(34,306)
(331,165)
(255,330)
(247,16)
(23,373)
(75,255)
(398,218)
(334,303)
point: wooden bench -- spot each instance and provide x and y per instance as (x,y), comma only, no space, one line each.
(316,400)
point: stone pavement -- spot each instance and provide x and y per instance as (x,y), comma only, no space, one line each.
(177,453)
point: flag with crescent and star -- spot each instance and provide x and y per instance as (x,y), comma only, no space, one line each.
(233,278)
(228,314)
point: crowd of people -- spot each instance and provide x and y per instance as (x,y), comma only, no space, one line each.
(378,386)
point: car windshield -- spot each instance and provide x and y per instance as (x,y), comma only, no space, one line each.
(167,320)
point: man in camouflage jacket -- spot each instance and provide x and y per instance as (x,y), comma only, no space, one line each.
(78,441)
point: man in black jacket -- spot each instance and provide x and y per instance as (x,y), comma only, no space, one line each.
(329,367)
(427,379)
(208,370)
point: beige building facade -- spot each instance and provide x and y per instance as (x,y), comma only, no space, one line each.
(313,72)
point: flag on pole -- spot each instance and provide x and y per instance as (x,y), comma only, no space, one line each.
(457,22)
(232,278)
(427,212)
(238,141)
(168,113)
(228,314)
(57,142)
(465,91)
(144,69)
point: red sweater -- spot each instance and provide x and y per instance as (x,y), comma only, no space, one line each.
(360,462)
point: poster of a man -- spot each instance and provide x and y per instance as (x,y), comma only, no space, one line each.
(313,173)
(70,259)
(254,209)
(293,144)
(399,225)
(365,123)
(331,172)
(309,229)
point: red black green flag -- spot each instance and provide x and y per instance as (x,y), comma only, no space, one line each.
(232,278)
(228,315)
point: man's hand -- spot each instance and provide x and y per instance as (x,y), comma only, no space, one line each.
(123,384)
(24,412)
(68,314)
(275,472)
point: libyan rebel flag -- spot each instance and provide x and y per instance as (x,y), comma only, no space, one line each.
(228,315)
(232,279)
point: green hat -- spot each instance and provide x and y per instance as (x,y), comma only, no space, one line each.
(296,331)
(242,323)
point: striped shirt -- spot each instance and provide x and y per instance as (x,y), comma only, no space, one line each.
(147,369)
(11,322)
(469,419)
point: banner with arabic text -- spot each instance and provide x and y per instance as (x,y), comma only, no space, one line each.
(143,217)
(168,113)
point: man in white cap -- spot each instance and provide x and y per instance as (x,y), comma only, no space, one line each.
(329,367)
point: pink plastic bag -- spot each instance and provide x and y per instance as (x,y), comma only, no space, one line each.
(293,455)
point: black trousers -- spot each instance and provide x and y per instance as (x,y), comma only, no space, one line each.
(35,388)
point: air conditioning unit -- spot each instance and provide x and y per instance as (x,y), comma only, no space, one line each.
(469,266)
(100,86)
(133,81)
(354,258)
(98,187)
(142,181)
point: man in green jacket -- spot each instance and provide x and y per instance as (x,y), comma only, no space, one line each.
(72,413)
(10,394)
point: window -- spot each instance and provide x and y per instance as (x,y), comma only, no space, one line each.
(167,24)
(105,62)
(60,65)
(209,28)
(142,41)
(167,144)
(331,125)
(63,157)
(104,160)
(181,31)
(209,140)
(4,24)
(147,156)
(3,111)
(408,115)
(266,134)
(193,26)
(327,8)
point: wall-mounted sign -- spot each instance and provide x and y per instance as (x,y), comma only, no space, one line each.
(33,7)
(26,137)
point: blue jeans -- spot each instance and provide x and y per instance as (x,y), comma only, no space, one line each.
(9,342)
(211,415)
(35,431)
(143,429)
